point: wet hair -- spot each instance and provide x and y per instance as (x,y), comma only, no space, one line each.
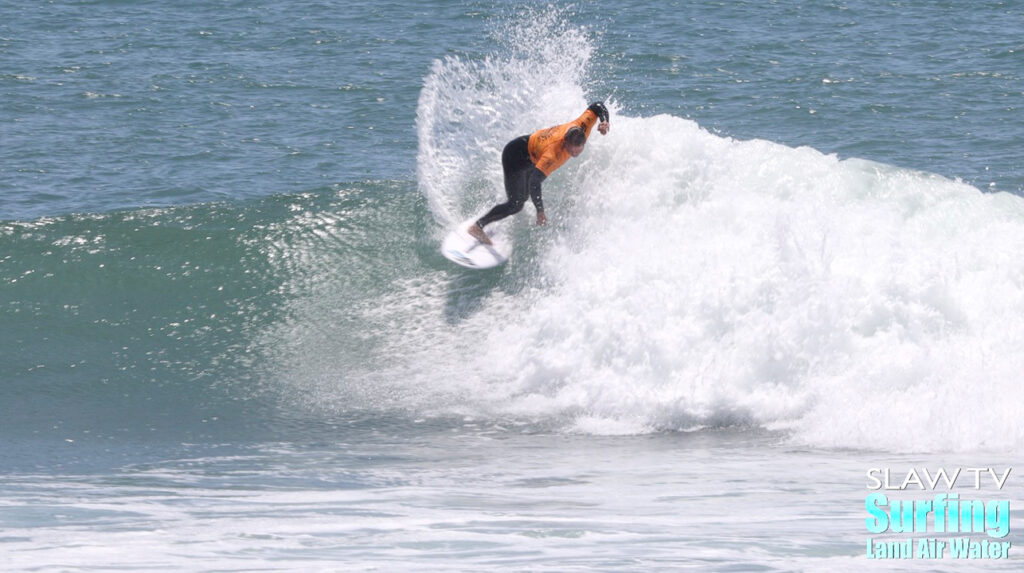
(575,136)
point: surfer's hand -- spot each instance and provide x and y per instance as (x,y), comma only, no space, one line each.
(542,219)
(603,127)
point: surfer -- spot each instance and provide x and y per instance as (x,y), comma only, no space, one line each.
(529,159)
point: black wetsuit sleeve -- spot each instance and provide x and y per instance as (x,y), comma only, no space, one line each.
(599,110)
(536,178)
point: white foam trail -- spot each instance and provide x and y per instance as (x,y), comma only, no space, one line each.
(692,280)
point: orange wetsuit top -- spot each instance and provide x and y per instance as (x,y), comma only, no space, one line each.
(545,145)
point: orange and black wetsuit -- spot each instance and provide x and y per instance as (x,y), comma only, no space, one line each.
(529,159)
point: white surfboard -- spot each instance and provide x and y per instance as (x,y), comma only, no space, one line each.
(461,248)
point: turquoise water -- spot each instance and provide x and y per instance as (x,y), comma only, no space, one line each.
(228,340)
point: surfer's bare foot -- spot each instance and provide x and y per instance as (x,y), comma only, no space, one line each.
(477,233)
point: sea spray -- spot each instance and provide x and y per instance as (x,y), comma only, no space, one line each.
(469,108)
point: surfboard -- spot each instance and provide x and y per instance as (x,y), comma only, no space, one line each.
(461,248)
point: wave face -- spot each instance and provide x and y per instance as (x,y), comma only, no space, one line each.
(686,280)
(161,323)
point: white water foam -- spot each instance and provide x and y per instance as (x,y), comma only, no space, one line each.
(697,280)
(687,280)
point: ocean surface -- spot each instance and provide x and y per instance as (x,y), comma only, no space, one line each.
(228,340)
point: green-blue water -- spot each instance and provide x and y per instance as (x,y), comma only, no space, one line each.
(225,322)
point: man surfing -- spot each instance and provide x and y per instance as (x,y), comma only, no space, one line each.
(529,159)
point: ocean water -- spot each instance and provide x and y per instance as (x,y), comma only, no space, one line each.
(228,341)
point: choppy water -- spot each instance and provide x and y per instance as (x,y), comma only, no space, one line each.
(228,340)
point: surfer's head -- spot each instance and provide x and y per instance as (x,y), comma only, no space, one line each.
(574,141)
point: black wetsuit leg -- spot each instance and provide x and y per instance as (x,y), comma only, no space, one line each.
(522,180)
